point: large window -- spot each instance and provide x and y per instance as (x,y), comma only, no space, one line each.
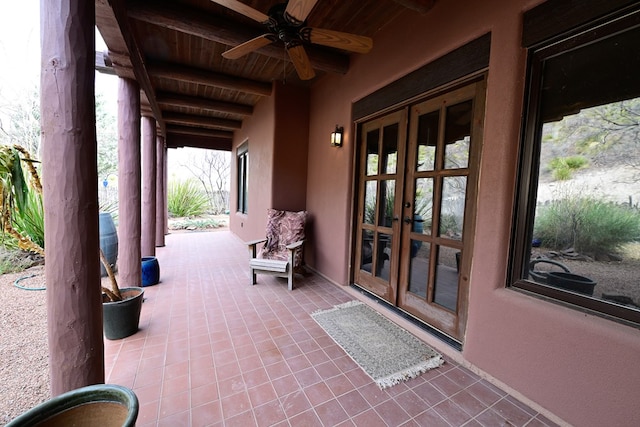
(577,232)
(242,166)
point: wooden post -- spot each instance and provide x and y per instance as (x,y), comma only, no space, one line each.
(129,258)
(166,190)
(160,206)
(148,245)
(70,180)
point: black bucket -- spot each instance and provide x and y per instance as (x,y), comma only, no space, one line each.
(571,282)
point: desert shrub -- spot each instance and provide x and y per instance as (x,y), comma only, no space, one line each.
(563,167)
(587,225)
(186,198)
(188,224)
(14,260)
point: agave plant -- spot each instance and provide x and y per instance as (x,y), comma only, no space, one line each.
(14,192)
(19,200)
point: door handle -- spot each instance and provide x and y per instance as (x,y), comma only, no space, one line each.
(407,220)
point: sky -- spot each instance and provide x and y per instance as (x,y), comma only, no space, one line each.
(20,53)
(20,64)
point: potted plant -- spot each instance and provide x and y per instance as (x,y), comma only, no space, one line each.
(120,307)
(107,405)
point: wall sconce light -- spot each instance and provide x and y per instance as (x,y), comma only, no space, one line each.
(336,136)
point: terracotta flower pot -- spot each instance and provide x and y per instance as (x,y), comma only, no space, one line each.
(100,405)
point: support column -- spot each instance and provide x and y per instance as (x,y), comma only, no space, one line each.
(160,206)
(129,258)
(148,246)
(166,190)
(70,180)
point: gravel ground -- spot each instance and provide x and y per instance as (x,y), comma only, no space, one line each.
(24,355)
(24,360)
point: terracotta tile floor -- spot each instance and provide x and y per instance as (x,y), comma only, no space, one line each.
(214,350)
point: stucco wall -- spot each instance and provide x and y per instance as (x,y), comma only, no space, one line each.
(258,130)
(582,368)
(290,148)
(277,135)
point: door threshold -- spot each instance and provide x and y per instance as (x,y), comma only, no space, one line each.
(452,342)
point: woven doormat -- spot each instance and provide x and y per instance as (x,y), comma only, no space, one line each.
(386,352)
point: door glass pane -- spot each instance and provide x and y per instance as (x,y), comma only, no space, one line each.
(446,287)
(452,206)
(384,256)
(370,189)
(390,149)
(387,200)
(427,140)
(457,135)
(372,152)
(423,203)
(419,268)
(366,250)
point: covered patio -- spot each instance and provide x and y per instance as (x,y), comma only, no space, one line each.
(214,350)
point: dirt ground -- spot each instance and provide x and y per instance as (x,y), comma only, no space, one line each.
(619,278)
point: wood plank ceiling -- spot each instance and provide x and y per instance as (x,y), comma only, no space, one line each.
(173,48)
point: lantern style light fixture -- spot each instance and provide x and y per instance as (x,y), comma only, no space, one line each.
(336,136)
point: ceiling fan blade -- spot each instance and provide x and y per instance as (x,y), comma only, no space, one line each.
(248,47)
(337,39)
(243,9)
(298,10)
(301,62)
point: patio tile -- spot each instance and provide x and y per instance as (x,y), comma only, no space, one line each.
(452,413)
(262,394)
(235,404)
(331,413)
(318,393)
(214,351)
(392,413)
(206,414)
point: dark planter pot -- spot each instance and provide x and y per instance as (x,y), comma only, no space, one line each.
(571,282)
(108,241)
(100,405)
(150,271)
(121,318)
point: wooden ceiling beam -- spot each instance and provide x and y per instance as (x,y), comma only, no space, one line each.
(200,121)
(178,100)
(422,6)
(208,78)
(135,55)
(177,140)
(188,130)
(222,30)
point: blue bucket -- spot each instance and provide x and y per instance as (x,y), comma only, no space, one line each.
(150,271)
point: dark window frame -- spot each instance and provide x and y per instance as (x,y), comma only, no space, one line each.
(242,163)
(555,44)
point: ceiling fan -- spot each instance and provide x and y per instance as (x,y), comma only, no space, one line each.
(286,22)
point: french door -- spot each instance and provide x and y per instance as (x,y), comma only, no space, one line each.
(416,206)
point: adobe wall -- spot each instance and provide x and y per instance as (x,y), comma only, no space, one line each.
(582,368)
